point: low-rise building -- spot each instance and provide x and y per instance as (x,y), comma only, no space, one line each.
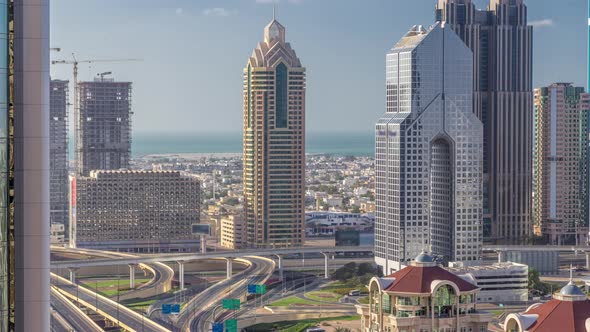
(57,234)
(333,200)
(233,232)
(319,199)
(422,297)
(136,211)
(322,223)
(569,310)
(499,283)
(368,207)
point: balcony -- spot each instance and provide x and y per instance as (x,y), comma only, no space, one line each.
(405,321)
(480,316)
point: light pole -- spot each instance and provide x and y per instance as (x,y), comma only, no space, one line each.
(118,279)
(96,295)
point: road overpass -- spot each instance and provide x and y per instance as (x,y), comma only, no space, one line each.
(126,318)
(160,283)
(70,317)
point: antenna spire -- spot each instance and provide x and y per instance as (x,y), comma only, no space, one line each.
(571,273)
(274,9)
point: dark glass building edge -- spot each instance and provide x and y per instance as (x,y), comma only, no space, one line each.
(7,265)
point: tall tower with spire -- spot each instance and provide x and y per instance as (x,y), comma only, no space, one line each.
(274,143)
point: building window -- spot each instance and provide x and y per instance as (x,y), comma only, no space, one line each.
(281,93)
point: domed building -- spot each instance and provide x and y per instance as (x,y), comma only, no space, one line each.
(422,297)
(568,311)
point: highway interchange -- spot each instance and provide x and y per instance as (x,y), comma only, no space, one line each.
(195,316)
(203,302)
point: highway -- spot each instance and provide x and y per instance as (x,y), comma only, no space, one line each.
(158,258)
(162,273)
(58,323)
(128,319)
(75,319)
(198,312)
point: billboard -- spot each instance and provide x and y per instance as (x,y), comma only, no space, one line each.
(201,229)
(348,238)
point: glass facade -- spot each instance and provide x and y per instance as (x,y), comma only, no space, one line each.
(6,220)
(58,133)
(282,91)
(428,153)
(502,46)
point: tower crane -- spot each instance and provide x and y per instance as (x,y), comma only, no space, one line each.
(75,63)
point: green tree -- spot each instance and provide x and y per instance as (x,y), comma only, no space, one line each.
(328,189)
(355,209)
(369,195)
(346,272)
(365,268)
(231,201)
(535,280)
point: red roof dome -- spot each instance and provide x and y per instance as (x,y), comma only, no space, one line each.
(419,279)
(558,315)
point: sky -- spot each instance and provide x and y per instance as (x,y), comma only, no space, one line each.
(192,53)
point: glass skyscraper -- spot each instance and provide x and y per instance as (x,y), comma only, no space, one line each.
(428,153)
(7,179)
(502,44)
(58,132)
(274,143)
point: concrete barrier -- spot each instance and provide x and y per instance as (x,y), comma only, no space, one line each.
(245,322)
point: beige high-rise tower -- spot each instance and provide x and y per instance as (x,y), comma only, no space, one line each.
(274,143)
(560,161)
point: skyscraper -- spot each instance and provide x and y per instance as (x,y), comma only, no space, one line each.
(103,125)
(58,134)
(502,46)
(428,153)
(560,166)
(586,141)
(274,143)
(24,165)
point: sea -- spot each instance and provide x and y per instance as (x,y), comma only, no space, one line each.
(341,144)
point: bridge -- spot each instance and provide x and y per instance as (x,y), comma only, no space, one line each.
(181,259)
(230,255)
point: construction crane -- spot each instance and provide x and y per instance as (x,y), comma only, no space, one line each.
(75,63)
(102,75)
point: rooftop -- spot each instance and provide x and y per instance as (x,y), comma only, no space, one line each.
(422,276)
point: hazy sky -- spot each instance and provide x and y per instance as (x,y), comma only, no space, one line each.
(193,51)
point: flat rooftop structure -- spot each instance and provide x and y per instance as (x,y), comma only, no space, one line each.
(500,282)
(493,267)
(534,248)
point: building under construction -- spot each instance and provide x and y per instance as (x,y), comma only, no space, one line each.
(58,142)
(136,211)
(103,125)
